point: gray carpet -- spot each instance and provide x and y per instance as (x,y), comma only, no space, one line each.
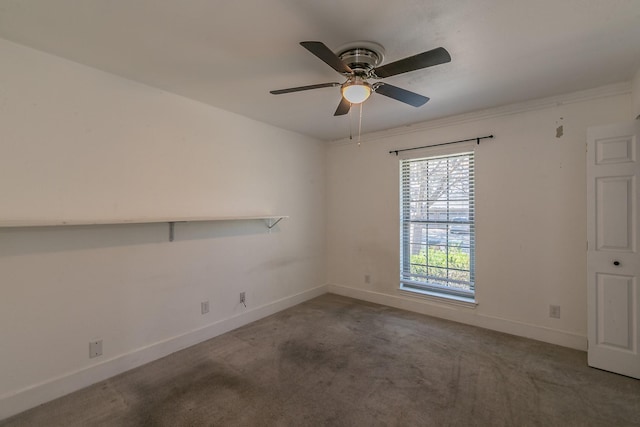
(335,361)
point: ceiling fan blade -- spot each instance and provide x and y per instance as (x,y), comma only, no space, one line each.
(301,88)
(422,60)
(401,95)
(320,50)
(343,107)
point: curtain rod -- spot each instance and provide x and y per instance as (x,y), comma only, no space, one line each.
(477,139)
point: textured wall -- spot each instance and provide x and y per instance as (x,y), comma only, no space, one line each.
(530,207)
(78,143)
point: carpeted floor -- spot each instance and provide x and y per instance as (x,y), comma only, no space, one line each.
(335,361)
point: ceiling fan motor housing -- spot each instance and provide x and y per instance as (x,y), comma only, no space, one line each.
(361,57)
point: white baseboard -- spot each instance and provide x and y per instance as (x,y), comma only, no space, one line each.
(21,400)
(14,403)
(467,315)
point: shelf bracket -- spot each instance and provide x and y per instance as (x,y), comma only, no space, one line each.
(272,223)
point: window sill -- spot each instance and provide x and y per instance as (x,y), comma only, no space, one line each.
(439,297)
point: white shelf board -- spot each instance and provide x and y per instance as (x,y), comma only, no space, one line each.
(7,223)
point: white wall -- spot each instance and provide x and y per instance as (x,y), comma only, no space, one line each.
(531,214)
(79,143)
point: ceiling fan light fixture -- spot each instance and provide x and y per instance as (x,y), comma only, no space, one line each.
(359,61)
(356,91)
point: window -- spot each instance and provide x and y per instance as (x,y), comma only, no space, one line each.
(437,253)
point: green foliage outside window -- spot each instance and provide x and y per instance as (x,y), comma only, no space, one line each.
(437,265)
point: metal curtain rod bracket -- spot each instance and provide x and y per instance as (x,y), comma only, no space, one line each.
(477,140)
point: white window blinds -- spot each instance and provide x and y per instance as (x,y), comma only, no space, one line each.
(437,225)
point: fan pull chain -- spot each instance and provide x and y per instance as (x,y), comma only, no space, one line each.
(350,126)
(360,125)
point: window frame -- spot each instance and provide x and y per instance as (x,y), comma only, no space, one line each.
(428,287)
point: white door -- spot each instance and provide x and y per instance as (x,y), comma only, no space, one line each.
(613,261)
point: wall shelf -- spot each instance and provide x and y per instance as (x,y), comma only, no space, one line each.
(270,221)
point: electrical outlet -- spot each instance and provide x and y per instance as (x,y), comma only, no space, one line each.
(367,278)
(95,349)
(243,298)
(204,307)
(554,311)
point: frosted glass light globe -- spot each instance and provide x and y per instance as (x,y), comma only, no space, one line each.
(357,92)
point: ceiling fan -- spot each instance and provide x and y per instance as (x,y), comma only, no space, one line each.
(358,62)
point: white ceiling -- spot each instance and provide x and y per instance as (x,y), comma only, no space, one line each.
(230,53)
